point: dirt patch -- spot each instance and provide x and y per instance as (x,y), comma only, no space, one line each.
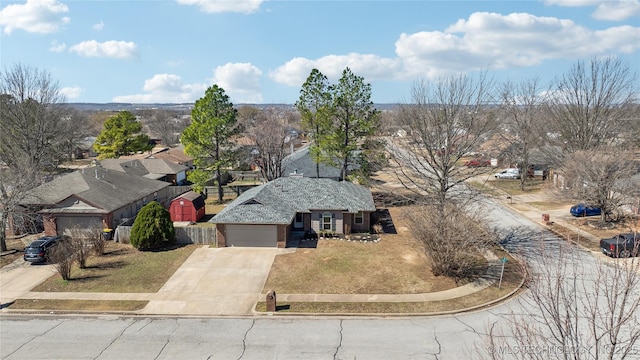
(623,226)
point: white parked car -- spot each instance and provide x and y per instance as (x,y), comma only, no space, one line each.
(508,174)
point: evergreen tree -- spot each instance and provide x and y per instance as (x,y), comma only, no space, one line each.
(153,228)
(207,139)
(354,118)
(121,136)
(314,106)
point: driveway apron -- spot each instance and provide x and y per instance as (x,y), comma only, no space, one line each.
(222,281)
(19,277)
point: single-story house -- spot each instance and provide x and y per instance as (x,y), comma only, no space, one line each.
(175,155)
(156,169)
(94,197)
(268,215)
(187,207)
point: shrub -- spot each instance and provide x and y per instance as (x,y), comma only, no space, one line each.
(62,256)
(152,228)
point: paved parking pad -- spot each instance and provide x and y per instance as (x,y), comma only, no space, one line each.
(222,281)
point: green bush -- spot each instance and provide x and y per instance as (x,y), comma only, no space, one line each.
(153,228)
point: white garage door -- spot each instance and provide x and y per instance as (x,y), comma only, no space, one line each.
(252,235)
(65,223)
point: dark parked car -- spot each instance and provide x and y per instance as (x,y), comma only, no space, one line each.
(38,250)
(585,210)
(622,245)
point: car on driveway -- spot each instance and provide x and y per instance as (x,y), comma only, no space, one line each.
(508,174)
(581,210)
(621,245)
(39,250)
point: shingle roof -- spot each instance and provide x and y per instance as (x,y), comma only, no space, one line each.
(103,188)
(301,162)
(142,167)
(278,201)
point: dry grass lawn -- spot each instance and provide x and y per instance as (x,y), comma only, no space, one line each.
(512,187)
(16,247)
(122,269)
(395,265)
(511,281)
(78,305)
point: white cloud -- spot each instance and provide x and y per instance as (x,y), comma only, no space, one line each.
(240,81)
(71,92)
(110,49)
(35,16)
(615,10)
(222,6)
(483,41)
(165,88)
(99,26)
(57,47)
(371,67)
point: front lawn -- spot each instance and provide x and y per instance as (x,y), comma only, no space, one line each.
(395,265)
(122,269)
(512,187)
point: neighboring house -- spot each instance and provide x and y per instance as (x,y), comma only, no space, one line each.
(268,215)
(175,155)
(95,197)
(301,163)
(187,207)
(156,169)
(85,149)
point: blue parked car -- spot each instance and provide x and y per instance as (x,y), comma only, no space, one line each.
(585,210)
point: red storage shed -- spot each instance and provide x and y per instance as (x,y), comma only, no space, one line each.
(187,207)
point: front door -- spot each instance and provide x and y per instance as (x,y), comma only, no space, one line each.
(298,222)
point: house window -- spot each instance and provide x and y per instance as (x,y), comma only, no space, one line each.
(327,224)
(359,218)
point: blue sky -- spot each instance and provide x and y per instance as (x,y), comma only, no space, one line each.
(262,51)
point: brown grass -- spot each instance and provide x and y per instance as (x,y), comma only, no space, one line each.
(395,265)
(511,280)
(122,269)
(13,244)
(512,187)
(78,305)
(572,236)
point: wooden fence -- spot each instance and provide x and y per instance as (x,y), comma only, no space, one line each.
(184,235)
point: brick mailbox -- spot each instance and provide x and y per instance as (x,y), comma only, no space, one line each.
(271,301)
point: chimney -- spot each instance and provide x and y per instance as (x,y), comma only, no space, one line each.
(97,174)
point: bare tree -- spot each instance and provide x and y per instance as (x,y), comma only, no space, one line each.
(571,312)
(31,118)
(166,125)
(453,242)
(76,129)
(63,257)
(82,240)
(521,107)
(447,120)
(269,132)
(590,105)
(31,130)
(601,177)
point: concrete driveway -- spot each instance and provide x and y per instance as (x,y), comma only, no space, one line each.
(223,281)
(19,277)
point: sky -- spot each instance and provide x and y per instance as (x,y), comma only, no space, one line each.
(261,52)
